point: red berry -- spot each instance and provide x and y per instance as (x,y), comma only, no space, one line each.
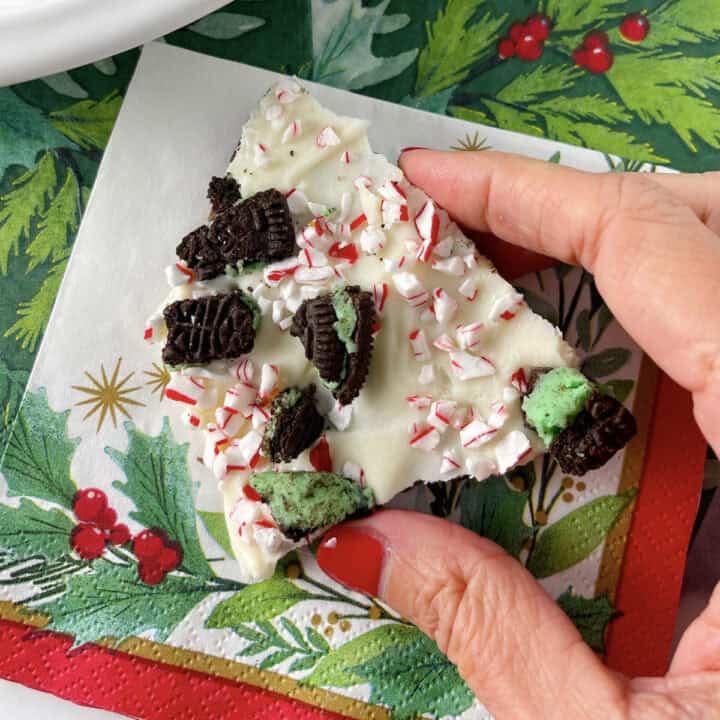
(635,27)
(506,48)
(528,48)
(89,504)
(539,26)
(596,39)
(516,31)
(148,545)
(171,557)
(150,573)
(599,60)
(88,541)
(107,519)
(581,56)
(120,535)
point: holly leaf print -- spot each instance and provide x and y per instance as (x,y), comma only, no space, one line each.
(12,386)
(89,122)
(414,679)
(591,616)
(112,604)
(39,453)
(158,482)
(225,25)
(28,530)
(343,32)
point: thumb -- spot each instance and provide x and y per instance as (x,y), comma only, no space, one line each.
(512,644)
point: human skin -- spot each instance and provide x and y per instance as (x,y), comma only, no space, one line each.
(653,244)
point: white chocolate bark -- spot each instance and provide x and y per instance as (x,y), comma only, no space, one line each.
(453,345)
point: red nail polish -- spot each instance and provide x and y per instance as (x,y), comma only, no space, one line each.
(353,558)
(412,147)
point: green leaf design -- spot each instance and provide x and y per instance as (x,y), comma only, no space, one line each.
(676,22)
(343,32)
(225,25)
(56,225)
(437,688)
(437,102)
(582,327)
(64,84)
(303,663)
(111,602)
(29,530)
(590,616)
(555,158)
(605,363)
(619,389)
(583,14)
(455,43)
(604,318)
(539,305)
(24,131)
(492,509)
(470,114)
(261,601)
(89,122)
(158,482)
(573,537)
(511,117)
(275,659)
(216,526)
(38,454)
(29,197)
(336,668)
(525,89)
(34,314)
(317,640)
(12,387)
(654,87)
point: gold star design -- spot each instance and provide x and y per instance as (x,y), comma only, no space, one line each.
(471,143)
(108,396)
(158,379)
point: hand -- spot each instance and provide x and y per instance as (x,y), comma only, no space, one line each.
(653,244)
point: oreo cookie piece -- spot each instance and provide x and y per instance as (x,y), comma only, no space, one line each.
(602,428)
(336,331)
(258,229)
(210,328)
(294,425)
(223,192)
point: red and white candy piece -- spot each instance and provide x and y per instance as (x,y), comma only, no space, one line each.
(449,465)
(394,192)
(506,307)
(235,459)
(297,201)
(476,433)
(372,239)
(269,377)
(249,447)
(345,158)
(153,327)
(519,381)
(450,266)
(425,437)
(466,366)
(310,257)
(327,137)
(179,274)
(480,467)
(188,417)
(229,420)
(244,371)
(444,304)
(445,343)
(419,402)
(443,248)
(261,155)
(362,181)
(287,91)
(469,335)
(427,374)
(241,397)
(419,345)
(371,206)
(353,471)
(393,212)
(292,131)
(512,449)
(346,251)
(275,273)
(260,416)
(340,416)
(498,414)
(189,390)
(468,289)
(307,275)
(470,260)
(215,441)
(274,112)
(509,395)
(427,224)
(408,285)
(441,415)
(380,294)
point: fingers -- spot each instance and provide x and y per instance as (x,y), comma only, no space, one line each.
(699,647)
(510,641)
(700,191)
(655,263)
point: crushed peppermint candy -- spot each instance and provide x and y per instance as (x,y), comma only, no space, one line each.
(419,402)
(480,467)
(469,335)
(506,307)
(450,266)
(261,155)
(408,285)
(291,131)
(190,418)
(449,465)
(468,289)
(427,224)
(476,433)
(179,274)
(498,414)
(419,345)
(441,414)
(229,420)
(425,437)
(372,239)
(275,273)
(445,343)
(241,397)
(327,137)
(296,200)
(190,390)
(340,416)
(427,374)
(519,381)
(380,294)
(512,449)
(269,378)
(466,366)
(153,327)
(444,304)
(260,416)
(353,471)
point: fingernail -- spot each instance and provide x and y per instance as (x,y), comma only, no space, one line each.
(353,558)
(412,147)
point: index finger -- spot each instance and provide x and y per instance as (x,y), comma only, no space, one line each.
(656,265)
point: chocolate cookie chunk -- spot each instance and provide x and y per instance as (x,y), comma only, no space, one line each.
(257,229)
(294,425)
(594,436)
(209,328)
(336,331)
(223,192)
